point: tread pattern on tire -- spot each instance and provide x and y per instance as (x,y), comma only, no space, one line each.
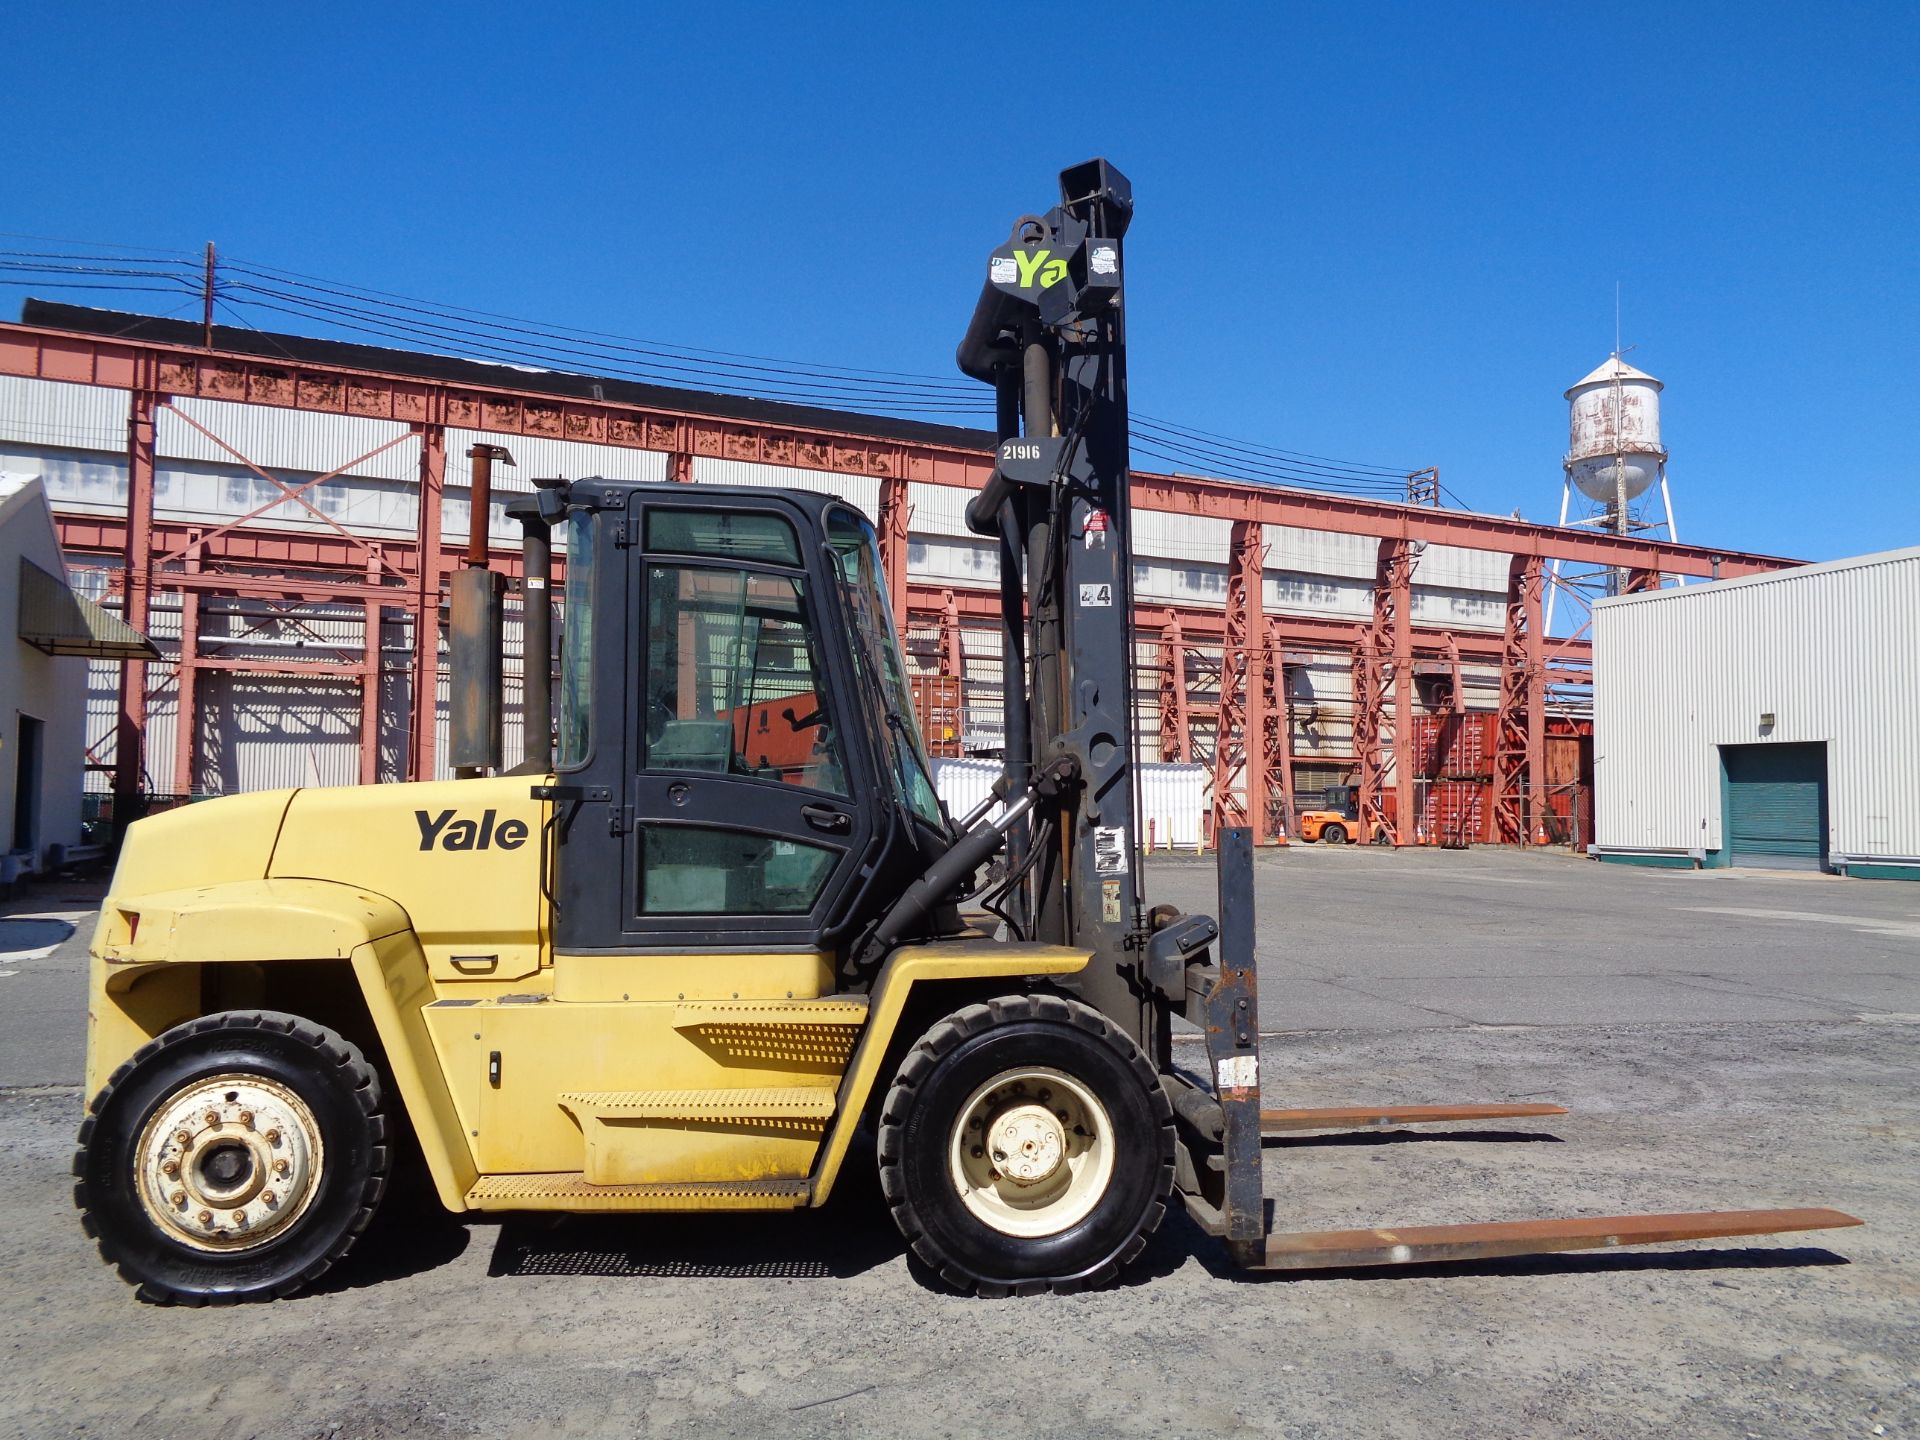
(333,1049)
(946,1037)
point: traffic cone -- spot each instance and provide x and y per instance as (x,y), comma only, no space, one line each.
(1539,832)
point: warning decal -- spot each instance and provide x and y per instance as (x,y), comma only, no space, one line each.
(1239,1072)
(1109,849)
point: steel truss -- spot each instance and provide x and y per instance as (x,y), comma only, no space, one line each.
(402,579)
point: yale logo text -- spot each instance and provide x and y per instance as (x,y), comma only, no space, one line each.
(1039,264)
(448,833)
(1027,269)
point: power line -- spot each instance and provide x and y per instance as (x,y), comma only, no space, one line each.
(242,287)
(536,344)
(451,309)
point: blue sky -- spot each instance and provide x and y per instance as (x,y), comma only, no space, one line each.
(1389,233)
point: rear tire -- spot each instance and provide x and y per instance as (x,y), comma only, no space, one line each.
(236,1157)
(1026,1146)
(1334,834)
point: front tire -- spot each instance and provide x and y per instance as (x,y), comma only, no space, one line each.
(236,1157)
(1026,1146)
(1334,834)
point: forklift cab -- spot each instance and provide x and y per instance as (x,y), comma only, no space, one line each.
(738,763)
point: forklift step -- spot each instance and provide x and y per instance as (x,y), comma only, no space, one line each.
(1355,1117)
(846,1010)
(1425,1244)
(794,1103)
(572,1191)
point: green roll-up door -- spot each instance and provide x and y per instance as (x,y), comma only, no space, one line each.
(1777,805)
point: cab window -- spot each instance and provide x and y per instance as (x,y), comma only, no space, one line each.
(734,683)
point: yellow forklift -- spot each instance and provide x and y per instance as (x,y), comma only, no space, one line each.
(723,922)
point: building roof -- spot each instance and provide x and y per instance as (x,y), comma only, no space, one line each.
(1771,577)
(55,619)
(51,616)
(119,324)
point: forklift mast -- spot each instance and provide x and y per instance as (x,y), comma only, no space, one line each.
(1049,334)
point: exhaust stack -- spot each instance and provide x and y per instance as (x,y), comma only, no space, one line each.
(475,632)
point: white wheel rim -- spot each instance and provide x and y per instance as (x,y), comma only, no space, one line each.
(1031,1153)
(229,1162)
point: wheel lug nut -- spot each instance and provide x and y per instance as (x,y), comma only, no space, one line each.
(213,1117)
(281,1167)
(978,1152)
(170,1169)
(1046,1094)
(240,1218)
(246,1118)
(205,1217)
(184,1137)
(179,1197)
(273,1137)
(267,1197)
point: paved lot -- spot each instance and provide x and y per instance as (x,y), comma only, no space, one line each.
(1724,1039)
(1381,940)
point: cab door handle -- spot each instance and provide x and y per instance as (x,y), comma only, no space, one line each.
(825,817)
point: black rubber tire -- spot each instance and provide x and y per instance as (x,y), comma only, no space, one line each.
(327,1072)
(1334,834)
(938,1075)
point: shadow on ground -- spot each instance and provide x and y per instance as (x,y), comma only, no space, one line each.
(1410,1137)
(851,1234)
(405,1239)
(21,933)
(1613,1262)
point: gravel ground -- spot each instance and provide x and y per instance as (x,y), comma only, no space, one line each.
(818,1324)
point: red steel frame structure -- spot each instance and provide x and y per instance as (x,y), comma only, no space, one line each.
(1251,754)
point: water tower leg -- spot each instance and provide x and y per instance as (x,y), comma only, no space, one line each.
(1666,501)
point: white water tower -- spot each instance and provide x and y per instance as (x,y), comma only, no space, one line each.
(1613,453)
(1614,458)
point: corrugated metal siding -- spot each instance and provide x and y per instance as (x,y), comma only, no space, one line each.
(1831,651)
(861,491)
(936,510)
(1173,798)
(963,784)
(75,436)
(262,732)
(279,439)
(1181,537)
(72,417)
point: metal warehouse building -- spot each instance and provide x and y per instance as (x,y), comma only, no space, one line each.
(1769,721)
(278,513)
